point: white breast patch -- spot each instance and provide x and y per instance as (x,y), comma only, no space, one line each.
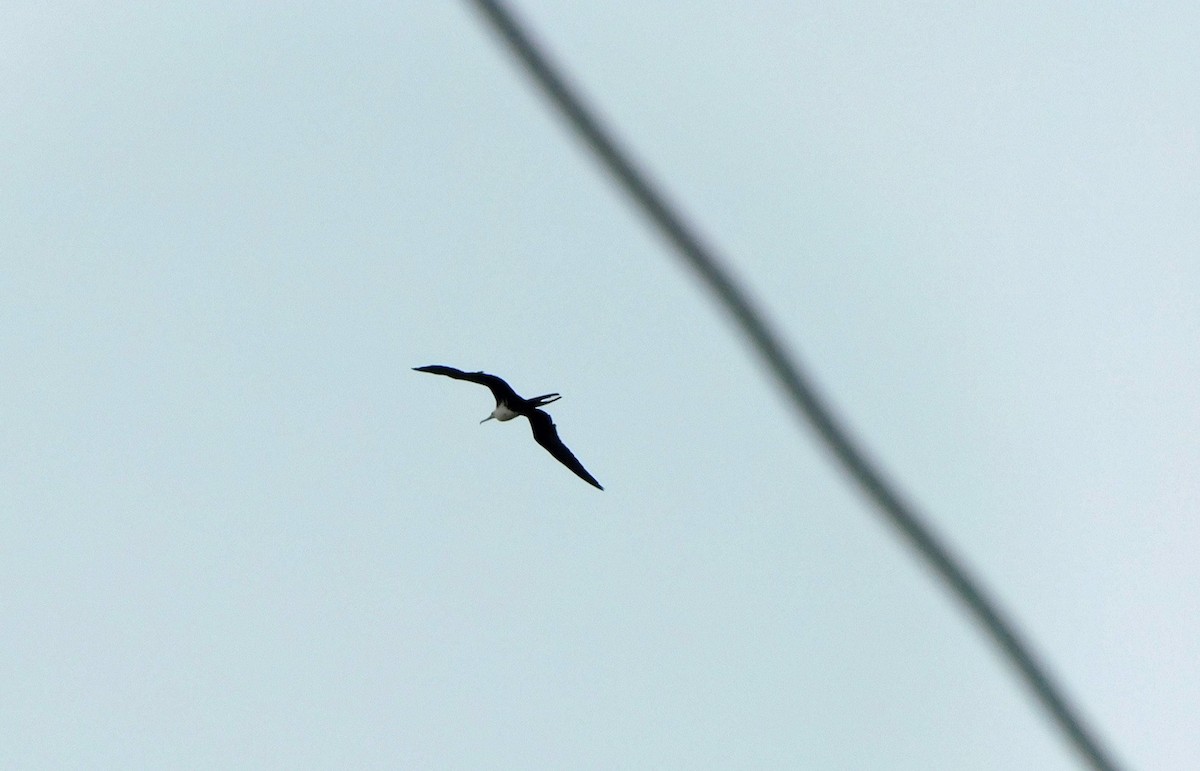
(504,413)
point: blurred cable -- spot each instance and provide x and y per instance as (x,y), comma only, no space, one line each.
(804,396)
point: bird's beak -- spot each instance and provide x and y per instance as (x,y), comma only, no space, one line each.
(485,420)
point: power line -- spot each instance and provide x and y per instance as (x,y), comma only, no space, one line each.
(804,396)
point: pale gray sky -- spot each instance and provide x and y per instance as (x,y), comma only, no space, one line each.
(237,531)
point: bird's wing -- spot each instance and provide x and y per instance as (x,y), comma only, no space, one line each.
(501,390)
(545,434)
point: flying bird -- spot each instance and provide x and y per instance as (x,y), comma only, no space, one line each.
(509,405)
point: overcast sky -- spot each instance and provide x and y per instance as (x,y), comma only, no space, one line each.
(236,530)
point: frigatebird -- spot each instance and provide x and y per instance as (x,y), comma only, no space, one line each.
(509,405)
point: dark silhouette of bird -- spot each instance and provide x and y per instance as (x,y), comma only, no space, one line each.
(509,405)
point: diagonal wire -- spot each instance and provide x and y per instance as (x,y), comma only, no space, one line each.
(701,258)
